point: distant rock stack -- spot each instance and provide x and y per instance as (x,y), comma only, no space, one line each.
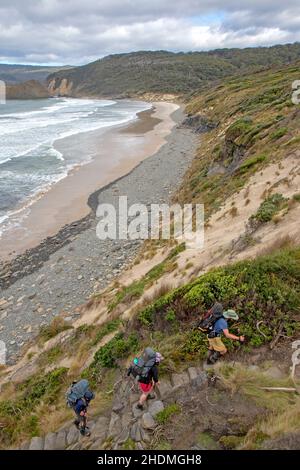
(29,90)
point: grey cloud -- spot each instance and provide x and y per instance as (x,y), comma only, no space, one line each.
(77,31)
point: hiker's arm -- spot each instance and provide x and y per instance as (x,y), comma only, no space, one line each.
(231,336)
(155,374)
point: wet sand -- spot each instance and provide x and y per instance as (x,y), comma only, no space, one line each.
(115,152)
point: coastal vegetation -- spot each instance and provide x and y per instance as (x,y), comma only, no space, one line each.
(264,290)
(256,123)
(137,73)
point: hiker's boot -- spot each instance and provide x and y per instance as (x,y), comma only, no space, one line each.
(215,357)
(85,432)
(209,356)
(140,407)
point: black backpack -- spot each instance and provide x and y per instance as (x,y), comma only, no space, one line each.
(208,322)
(140,367)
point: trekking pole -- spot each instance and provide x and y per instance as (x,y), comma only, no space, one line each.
(237,351)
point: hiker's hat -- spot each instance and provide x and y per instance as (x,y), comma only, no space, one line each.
(231,315)
(88,396)
(158,357)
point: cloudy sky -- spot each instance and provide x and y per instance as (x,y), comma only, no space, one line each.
(79,31)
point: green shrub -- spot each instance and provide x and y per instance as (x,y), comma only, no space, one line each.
(163,416)
(205,440)
(194,345)
(32,425)
(268,208)
(238,128)
(117,348)
(107,328)
(147,314)
(251,162)
(231,442)
(296,197)
(279,133)
(50,331)
(175,251)
(170,315)
(43,387)
(214,285)
(51,356)
(128,293)
(266,289)
(129,444)
(17,414)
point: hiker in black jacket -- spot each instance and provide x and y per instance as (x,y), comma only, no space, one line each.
(149,384)
(147,381)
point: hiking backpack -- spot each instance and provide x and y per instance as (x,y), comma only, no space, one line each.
(208,321)
(140,367)
(79,390)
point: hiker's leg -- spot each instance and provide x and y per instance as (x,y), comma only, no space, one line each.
(211,350)
(82,421)
(84,429)
(77,422)
(220,346)
(209,355)
(215,357)
(143,398)
(216,349)
(151,396)
(146,389)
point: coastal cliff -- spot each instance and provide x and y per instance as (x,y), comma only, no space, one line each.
(32,89)
(61,87)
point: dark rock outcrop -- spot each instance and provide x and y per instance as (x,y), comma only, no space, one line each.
(199,123)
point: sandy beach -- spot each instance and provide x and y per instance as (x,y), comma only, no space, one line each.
(115,152)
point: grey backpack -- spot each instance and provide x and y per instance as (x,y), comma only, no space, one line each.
(141,366)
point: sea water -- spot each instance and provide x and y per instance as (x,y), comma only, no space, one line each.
(29,130)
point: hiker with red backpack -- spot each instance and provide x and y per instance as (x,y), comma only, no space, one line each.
(145,371)
(215,324)
(78,398)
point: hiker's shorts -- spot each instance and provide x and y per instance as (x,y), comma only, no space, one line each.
(217,345)
(146,388)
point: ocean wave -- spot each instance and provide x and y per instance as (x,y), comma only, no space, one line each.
(15,217)
(56,153)
(30,152)
(67,102)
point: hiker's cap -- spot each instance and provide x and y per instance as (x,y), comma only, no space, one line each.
(231,314)
(158,357)
(89,396)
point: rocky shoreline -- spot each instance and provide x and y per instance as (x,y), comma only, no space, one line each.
(65,270)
